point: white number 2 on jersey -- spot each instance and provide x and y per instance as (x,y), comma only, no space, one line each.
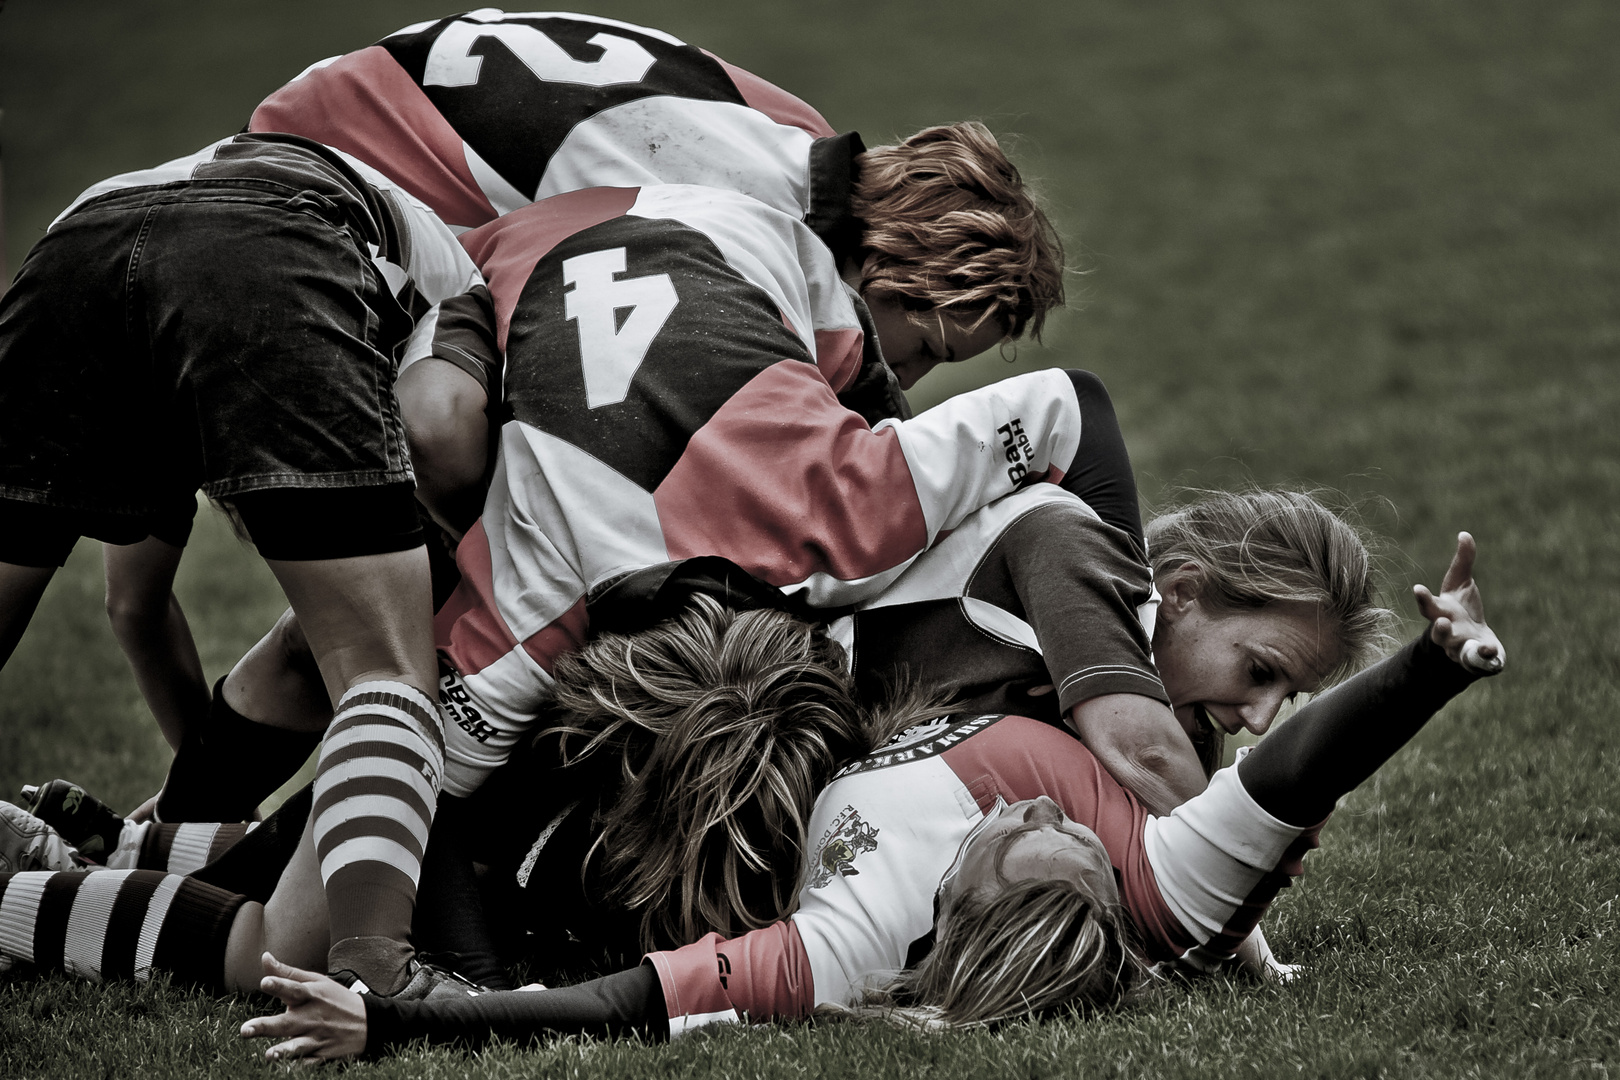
(451,62)
(611,353)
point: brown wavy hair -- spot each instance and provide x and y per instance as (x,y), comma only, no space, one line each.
(726,725)
(952,229)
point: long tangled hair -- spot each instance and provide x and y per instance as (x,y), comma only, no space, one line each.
(725,725)
(1038,947)
(952,230)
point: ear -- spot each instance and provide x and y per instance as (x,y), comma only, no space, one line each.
(1179,591)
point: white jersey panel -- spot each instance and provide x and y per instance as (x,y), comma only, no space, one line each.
(168,173)
(771,250)
(566,522)
(505,697)
(672,140)
(973,448)
(1211,852)
(881,842)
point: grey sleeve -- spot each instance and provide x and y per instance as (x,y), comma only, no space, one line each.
(1080,584)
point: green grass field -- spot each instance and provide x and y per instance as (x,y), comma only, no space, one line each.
(1367,246)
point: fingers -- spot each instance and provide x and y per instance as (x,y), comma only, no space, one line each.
(289,993)
(1461,570)
(272,1027)
(292,1049)
(275,967)
(1428,606)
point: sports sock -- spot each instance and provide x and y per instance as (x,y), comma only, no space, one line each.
(375,790)
(118,924)
(224,771)
(186,848)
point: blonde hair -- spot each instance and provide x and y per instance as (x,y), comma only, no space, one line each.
(952,230)
(1037,947)
(727,725)
(1259,547)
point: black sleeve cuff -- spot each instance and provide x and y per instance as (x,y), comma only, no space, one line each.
(629,1002)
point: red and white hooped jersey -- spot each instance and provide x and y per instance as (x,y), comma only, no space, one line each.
(888,829)
(674,356)
(480,113)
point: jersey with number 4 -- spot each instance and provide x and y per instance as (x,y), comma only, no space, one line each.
(481,113)
(674,357)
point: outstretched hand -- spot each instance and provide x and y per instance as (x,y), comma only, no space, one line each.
(1457,616)
(325,1020)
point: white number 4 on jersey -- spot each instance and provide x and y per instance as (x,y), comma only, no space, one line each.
(609,352)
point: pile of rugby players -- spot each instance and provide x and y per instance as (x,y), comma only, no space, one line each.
(556,368)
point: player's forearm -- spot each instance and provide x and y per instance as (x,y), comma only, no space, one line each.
(1139,742)
(629,1001)
(1300,770)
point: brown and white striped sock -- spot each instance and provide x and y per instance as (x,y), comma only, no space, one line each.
(375,791)
(187,848)
(114,924)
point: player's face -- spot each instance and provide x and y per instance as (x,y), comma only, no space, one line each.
(1032,839)
(1237,669)
(912,348)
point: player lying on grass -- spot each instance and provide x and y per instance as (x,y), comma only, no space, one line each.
(230,321)
(1051,881)
(483,113)
(1044,896)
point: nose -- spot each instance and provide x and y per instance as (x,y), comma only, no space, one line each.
(1043,811)
(1258,713)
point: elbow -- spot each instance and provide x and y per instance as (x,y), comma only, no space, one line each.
(1155,759)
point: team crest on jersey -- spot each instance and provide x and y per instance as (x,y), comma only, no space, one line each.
(840,844)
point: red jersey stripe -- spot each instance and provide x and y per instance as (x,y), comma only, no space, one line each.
(469,627)
(838,355)
(367,105)
(775,102)
(563,635)
(786,482)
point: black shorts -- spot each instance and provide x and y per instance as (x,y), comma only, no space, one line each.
(232,336)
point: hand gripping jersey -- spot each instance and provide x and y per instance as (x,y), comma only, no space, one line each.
(427,271)
(481,113)
(675,356)
(888,829)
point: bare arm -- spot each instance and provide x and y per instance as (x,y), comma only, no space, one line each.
(152,630)
(1140,743)
(443,410)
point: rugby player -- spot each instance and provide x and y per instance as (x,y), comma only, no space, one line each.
(232,321)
